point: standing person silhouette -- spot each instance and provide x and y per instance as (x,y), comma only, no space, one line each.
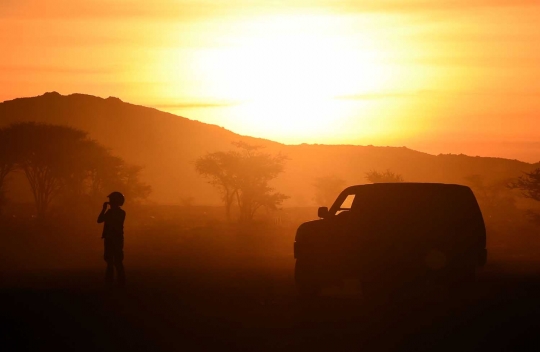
(113,237)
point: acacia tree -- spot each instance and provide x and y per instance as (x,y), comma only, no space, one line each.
(243,176)
(492,195)
(7,157)
(75,179)
(327,188)
(255,170)
(60,160)
(104,172)
(383,177)
(220,170)
(46,154)
(7,162)
(529,185)
(128,180)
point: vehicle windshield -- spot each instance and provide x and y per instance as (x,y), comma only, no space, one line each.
(343,203)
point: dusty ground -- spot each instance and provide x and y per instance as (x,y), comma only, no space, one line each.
(213,288)
(256,308)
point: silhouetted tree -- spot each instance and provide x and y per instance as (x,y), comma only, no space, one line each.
(493,194)
(75,181)
(47,155)
(255,171)
(220,170)
(8,159)
(101,180)
(327,189)
(243,176)
(130,183)
(383,177)
(494,198)
(60,160)
(7,156)
(529,185)
(106,172)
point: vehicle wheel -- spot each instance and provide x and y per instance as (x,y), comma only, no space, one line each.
(462,279)
(305,279)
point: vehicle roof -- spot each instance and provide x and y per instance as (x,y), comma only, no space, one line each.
(406,185)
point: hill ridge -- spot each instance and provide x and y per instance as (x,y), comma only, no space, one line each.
(166,145)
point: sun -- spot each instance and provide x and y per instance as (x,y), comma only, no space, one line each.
(287,76)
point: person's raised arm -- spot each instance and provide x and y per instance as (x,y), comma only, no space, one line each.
(101,217)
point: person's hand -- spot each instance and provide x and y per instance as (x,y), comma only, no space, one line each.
(105,205)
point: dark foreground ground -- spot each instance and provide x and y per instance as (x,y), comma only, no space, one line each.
(257,309)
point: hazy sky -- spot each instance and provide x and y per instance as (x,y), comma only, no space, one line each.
(449,76)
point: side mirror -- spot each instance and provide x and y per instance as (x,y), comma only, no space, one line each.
(323,212)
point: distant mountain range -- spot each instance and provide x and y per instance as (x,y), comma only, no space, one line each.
(166,145)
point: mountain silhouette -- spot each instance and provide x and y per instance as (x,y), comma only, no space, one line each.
(166,145)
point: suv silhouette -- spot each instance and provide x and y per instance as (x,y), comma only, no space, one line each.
(391,236)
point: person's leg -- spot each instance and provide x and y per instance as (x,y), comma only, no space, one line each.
(120,272)
(109,259)
(109,274)
(119,263)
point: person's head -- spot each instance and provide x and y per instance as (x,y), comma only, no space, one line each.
(116,199)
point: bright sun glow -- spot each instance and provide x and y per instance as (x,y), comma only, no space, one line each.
(289,77)
(437,76)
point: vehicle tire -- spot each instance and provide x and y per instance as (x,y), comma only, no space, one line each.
(305,279)
(462,279)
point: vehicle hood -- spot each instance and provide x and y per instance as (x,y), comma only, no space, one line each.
(311,229)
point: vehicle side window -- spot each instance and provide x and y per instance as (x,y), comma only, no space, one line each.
(347,204)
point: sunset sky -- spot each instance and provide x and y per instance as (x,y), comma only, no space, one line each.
(459,76)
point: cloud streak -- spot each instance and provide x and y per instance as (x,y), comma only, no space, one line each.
(191,9)
(399,6)
(433,92)
(118,9)
(377,96)
(193,105)
(58,69)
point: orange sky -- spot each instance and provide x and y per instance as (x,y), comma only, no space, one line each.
(457,76)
